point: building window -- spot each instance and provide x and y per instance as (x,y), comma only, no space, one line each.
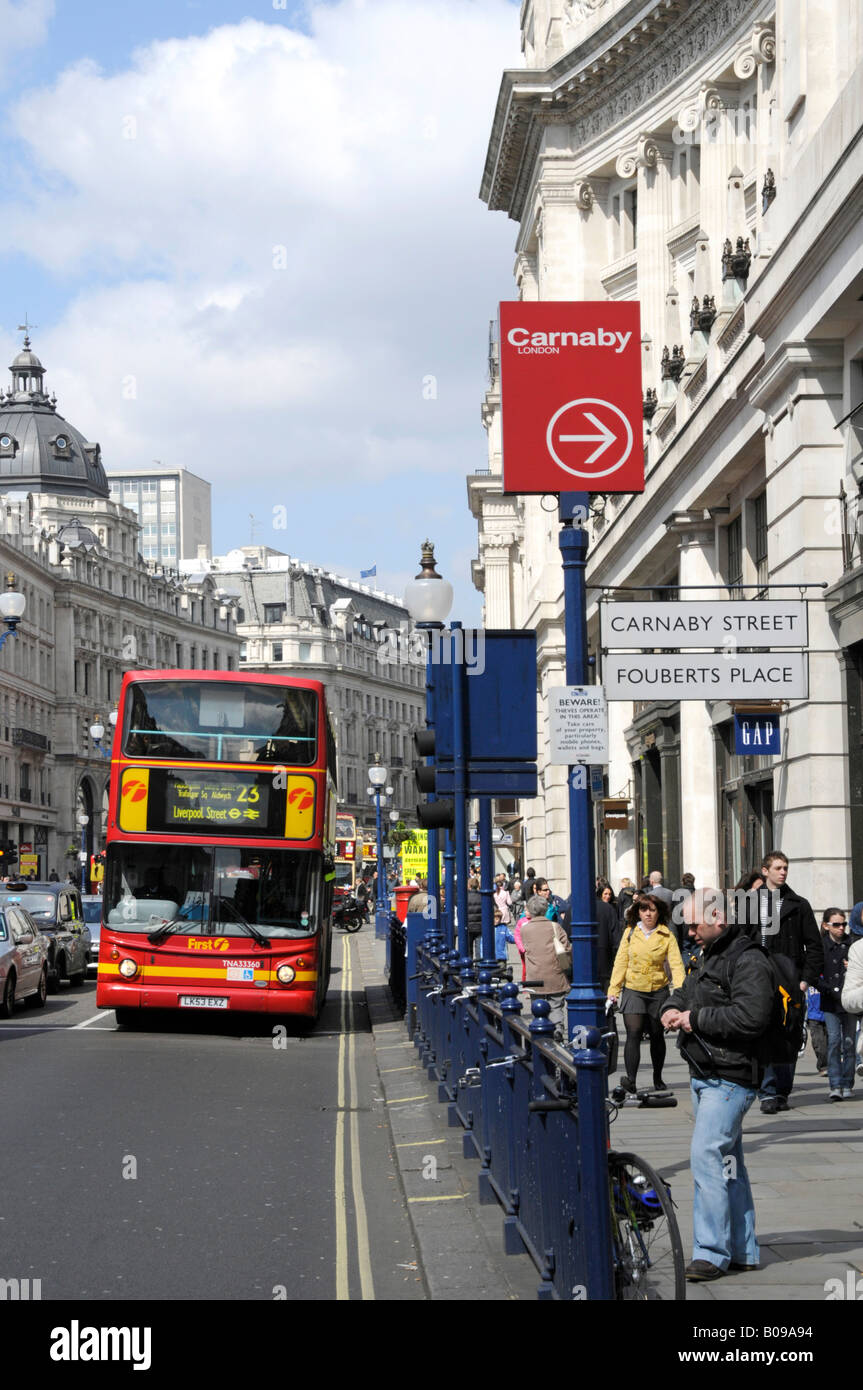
(630,205)
(278,648)
(274,612)
(305,651)
(759,517)
(735,553)
(746,805)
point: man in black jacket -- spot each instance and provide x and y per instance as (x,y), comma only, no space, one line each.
(474,916)
(722,1010)
(793,932)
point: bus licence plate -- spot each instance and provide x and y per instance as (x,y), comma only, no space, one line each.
(202,1001)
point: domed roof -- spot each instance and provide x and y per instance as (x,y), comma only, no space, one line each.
(39,450)
(75,533)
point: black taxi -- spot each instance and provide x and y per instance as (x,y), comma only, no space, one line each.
(57,911)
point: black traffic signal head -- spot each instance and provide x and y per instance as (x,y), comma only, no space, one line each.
(439,813)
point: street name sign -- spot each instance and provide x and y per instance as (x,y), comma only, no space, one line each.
(744,623)
(571,396)
(697,676)
(578,724)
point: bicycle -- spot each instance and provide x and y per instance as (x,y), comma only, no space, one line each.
(647,1251)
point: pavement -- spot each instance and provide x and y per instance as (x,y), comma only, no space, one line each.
(805,1166)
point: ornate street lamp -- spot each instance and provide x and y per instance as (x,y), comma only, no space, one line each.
(12,605)
(97,733)
(428,597)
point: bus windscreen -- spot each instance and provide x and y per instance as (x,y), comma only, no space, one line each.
(216,721)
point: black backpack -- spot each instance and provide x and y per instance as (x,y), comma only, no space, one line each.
(783,1038)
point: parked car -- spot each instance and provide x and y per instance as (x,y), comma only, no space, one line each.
(92,905)
(56,909)
(23,960)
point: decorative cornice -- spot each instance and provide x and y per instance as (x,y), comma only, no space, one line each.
(790,361)
(597,85)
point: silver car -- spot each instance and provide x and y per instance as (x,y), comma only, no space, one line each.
(92,905)
(23,960)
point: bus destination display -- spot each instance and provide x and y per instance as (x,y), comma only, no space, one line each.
(215,801)
(208,803)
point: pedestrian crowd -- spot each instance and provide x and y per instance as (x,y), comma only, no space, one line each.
(742,979)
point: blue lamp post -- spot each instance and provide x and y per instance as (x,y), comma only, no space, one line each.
(83,821)
(377,781)
(428,599)
(12,605)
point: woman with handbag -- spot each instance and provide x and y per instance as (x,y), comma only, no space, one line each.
(647,961)
(547,958)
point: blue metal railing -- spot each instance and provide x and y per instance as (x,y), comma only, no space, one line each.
(517,1094)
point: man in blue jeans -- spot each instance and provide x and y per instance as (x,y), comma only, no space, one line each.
(722,1010)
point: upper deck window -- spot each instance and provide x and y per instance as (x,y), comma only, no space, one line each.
(214,721)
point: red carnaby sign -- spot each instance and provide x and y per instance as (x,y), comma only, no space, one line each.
(571,396)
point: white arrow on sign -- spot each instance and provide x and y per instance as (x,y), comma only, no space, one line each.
(608,434)
(603,439)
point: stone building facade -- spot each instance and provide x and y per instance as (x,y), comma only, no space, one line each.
(706,159)
(301,620)
(94,610)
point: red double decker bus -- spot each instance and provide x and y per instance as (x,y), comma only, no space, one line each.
(220,849)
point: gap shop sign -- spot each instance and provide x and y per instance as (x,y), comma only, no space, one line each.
(571,396)
(756,734)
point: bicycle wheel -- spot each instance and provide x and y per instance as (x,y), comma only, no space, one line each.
(648,1251)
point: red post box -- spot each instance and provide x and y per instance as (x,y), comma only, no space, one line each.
(404,893)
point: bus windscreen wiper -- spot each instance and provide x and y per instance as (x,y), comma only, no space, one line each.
(241,921)
(166,929)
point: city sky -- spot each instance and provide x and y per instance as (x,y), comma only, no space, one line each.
(250,240)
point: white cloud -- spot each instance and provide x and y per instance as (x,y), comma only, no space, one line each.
(22,25)
(279,236)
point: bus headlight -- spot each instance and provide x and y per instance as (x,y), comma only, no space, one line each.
(286,974)
(128,968)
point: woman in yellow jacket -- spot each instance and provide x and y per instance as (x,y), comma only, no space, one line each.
(647,959)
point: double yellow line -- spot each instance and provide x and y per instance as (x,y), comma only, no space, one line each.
(348,1147)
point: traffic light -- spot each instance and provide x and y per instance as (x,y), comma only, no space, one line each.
(440,813)
(8,854)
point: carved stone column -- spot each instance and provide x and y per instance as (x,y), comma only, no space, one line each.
(555,800)
(526,278)
(497,551)
(700,830)
(711,116)
(650,162)
(571,236)
(799,389)
(622,856)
